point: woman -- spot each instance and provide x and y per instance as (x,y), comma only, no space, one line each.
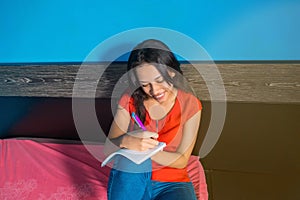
(159,95)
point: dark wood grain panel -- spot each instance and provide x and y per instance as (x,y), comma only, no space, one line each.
(244,82)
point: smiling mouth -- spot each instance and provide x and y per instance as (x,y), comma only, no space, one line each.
(159,96)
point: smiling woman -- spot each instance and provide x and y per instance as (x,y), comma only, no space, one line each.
(170,115)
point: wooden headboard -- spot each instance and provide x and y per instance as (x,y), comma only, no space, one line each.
(257,82)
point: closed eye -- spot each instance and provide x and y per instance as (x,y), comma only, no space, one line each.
(145,85)
(160,80)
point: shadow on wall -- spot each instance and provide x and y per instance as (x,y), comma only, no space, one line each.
(45,117)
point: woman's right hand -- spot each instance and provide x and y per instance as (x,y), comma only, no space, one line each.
(139,140)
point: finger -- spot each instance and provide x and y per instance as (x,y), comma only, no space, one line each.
(150,142)
(148,134)
(146,144)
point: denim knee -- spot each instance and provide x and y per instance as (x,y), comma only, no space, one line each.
(173,190)
(135,184)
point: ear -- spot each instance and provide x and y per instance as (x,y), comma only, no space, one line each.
(171,73)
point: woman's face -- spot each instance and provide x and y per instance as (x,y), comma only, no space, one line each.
(153,83)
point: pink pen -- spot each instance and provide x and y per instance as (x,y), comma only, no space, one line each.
(138,121)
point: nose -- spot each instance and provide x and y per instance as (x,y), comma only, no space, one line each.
(154,87)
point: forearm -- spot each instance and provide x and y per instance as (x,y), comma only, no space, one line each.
(180,158)
(170,159)
(118,141)
(113,144)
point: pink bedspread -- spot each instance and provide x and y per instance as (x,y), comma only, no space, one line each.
(39,170)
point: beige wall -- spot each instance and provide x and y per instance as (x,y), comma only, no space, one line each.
(257,155)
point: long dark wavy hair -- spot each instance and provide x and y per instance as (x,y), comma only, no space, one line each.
(158,54)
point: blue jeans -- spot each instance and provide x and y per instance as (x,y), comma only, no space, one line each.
(136,184)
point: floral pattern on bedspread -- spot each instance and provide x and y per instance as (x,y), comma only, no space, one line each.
(20,189)
(23,190)
(84,191)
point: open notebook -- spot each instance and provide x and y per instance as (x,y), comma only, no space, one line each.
(136,156)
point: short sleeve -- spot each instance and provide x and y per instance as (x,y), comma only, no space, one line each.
(193,106)
(189,104)
(126,102)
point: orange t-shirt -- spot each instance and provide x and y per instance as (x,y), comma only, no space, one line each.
(170,130)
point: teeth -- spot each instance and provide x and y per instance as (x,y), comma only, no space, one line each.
(160,95)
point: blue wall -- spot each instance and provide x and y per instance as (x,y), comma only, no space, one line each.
(66,31)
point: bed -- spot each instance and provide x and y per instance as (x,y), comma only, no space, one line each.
(43,158)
